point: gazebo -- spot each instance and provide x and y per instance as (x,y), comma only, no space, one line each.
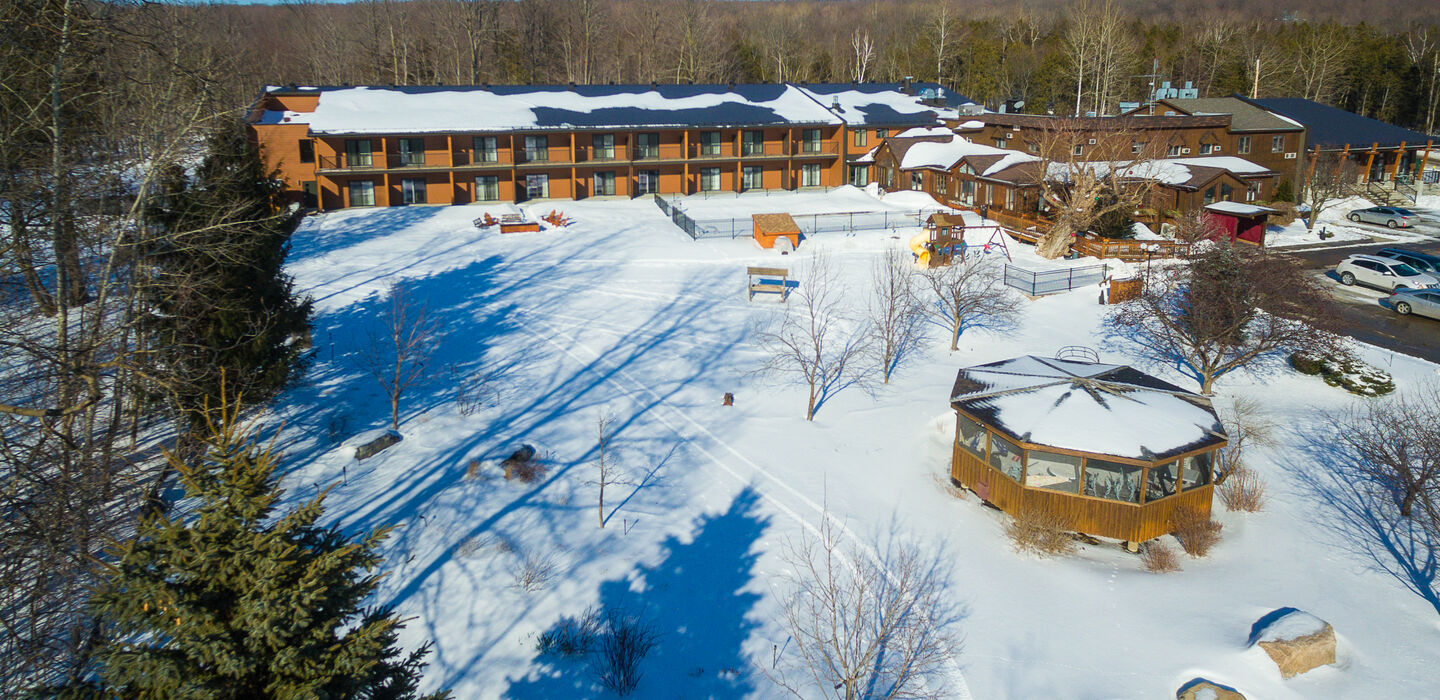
(1114,451)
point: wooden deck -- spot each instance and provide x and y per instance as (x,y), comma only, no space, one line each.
(1094,516)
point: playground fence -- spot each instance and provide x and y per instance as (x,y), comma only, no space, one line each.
(1040,282)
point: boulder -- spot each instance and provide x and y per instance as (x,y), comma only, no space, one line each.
(1295,640)
(1206,689)
(372,446)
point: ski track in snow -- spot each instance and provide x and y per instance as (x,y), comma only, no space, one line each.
(956,676)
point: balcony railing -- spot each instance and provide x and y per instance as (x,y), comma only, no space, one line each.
(583,154)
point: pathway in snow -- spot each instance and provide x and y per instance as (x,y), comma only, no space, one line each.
(750,474)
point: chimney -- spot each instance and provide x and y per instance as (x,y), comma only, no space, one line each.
(654,85)
(732,86)
(572,86)
(905,86)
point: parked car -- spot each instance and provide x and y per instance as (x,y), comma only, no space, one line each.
(1424,262)
(1384,273)
(1421,302)
(1394,217)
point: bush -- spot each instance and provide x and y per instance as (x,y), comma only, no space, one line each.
(571,637)
(1284,192)
(623,645)
(1288,212)
(1159,558)
(529,471)
(1040,532)
(534,572)
(1345,371)
(1242,490)
(1196,531)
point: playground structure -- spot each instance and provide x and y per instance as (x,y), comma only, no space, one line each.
(944,238)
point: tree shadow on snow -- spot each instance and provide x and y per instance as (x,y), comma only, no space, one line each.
(1363,515)
(697,599)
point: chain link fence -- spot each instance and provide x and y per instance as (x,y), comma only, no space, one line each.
(1040,282)
(810,224)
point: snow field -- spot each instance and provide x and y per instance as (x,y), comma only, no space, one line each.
(623,313)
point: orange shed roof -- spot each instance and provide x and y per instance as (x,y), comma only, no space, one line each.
(774,223)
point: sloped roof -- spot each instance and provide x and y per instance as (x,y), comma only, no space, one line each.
(886,104)
(439,109)
(1244,116)
(1088,407)
(1332,128)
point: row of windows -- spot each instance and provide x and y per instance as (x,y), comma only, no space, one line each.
(1277,145)
(537,185)
(1089,476)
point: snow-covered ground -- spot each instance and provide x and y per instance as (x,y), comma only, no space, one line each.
(623,314)
(844,199)
(1333,220)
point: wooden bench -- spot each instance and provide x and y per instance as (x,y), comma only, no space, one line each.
(762,279)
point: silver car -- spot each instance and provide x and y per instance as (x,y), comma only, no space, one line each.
(1421,302)
(1394,217)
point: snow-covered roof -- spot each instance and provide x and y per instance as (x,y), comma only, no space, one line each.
(887,104)
(943,155)
(1089,407)
(414,110)
(923,131)
(869,156)
(1239,208)
(1168,171)
(271,116)
(971,124)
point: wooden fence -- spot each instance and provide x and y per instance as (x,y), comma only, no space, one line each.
(1129,250)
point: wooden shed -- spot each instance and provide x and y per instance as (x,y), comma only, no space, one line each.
(1238,221)
(1111,450)
(772,227)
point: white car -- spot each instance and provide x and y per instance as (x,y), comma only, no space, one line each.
(1384,273)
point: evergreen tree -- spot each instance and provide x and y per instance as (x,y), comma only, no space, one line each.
(222,304)
(228,601)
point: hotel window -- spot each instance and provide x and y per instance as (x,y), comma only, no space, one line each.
(752,178)
(602,146)
(647,182)
(312,192)
(882,133)
(1207,148)
(1136,147)
(647,145)
(1000,143)
(537,186)
(1173,151)
(917,181)
(487,188)
(362,193)
(1242,145)
(357,153)
(1209,197)
(709,143)
(485,148)
(412,190)
(1009,199)
(859,175)
(1277,144)
(412,151)
(810,175)
(604,184)
(752,143)
(861,137)
(709,179)
(1226,192)
(537,149)
(1078,150)
(1252,190)
(307,151)
(810,141)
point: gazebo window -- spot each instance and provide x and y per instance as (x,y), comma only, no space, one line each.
(1112,480)
(1197,469)
(1162,481)
(1007,457)
(971,436)
(1053,471)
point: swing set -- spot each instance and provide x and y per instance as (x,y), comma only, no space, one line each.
(944,239)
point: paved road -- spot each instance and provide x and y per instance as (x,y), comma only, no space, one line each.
(1361,311)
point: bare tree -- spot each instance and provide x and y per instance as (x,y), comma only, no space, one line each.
(1086,173)
(817,340)
(1230,306)
(1396,442)
(867,624)
(864,51)
(893,311)
(607,468)
(1331,177)
(1248,427)
(398,352)
(962,293)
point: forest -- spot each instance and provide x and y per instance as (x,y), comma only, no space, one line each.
(1378,59)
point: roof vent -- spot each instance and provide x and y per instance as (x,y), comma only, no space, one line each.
(835,105)
(572,86)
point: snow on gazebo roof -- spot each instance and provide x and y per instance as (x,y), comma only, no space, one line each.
(1088,407)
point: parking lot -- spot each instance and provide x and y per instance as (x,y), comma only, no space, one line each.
(1362,314)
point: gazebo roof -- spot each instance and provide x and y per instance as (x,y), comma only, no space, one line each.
(1087,407)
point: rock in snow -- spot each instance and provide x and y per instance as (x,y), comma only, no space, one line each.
(1295,640)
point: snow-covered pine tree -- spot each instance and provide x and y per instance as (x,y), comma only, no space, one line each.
(231,600)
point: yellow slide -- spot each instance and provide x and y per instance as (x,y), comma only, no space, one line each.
(917,246)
